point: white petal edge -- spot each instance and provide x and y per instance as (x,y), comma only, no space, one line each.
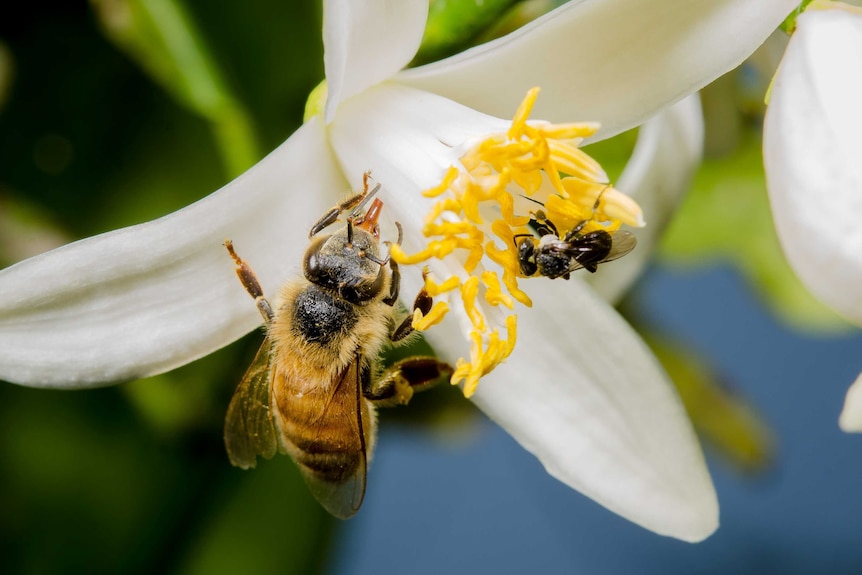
(594,406)
(850,419)
(146,299)
(616,61)
(812,146)
(667,154)
(367,42)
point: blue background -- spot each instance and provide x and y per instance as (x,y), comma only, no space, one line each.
(487,506)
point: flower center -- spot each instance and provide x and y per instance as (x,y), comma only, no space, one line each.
(536,192)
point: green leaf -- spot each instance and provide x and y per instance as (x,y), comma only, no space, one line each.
(162,38)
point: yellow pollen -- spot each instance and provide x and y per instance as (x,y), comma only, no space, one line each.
(494,293)
(505,188)
(434,289)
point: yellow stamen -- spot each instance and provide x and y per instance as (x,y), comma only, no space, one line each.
(434,289)
(494,293)
(482,219)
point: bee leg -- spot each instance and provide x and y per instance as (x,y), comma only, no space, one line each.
(249,281)
(395,275)
(423,303)
(351,203)
(400,381)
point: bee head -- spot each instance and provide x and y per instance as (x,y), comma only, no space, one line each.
(348,261)
(527,255)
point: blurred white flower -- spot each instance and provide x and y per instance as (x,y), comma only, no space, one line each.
(812,152)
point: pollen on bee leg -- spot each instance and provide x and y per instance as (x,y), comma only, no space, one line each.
(434,316)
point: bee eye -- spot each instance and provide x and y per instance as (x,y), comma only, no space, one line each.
(311,265)
(527,256)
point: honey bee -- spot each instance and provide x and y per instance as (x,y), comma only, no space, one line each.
(313,388)
(553,256)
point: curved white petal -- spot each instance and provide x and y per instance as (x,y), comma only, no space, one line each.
(612,426)
(367,42)
(145,299)
(812,146)
(851,416)
(615,61)
(583,393)
(665,158)
(406,137)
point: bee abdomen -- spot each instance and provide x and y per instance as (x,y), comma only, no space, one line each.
(328,458)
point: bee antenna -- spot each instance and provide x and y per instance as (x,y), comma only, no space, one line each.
(358,209)
(599,198)
(375,259)
(388,257)
(535,201)
(350,231)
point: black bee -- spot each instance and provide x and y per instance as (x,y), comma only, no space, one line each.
(552,256)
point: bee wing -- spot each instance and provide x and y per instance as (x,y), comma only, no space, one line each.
(342,498)
(249,429)
(623,242)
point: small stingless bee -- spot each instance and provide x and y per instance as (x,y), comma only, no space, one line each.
(312,389)
(553,255)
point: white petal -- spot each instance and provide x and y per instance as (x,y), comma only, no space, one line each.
(613,428)
(667,154)
(367,42)
(145,299)
(583,393)
(615,61)
(812,147)
(406,138)
(851,417)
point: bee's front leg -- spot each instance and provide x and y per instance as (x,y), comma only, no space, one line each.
(350,203)
(397,384)
(249,281)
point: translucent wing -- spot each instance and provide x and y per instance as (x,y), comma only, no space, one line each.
(249,429)
(622,243)
(340,487)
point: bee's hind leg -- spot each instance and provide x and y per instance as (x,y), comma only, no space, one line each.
(397,384)
(249,281)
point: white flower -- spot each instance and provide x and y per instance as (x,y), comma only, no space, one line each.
(812,152)
(581,391)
